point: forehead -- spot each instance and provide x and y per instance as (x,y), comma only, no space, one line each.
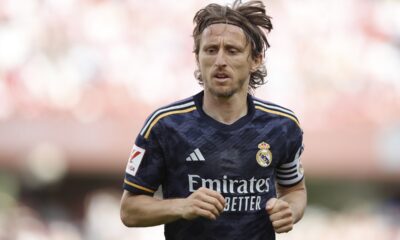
(222,30)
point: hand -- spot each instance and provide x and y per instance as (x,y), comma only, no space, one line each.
(203,203)
(280,214)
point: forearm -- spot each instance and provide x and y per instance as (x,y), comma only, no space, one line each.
(297,199)
(145,211)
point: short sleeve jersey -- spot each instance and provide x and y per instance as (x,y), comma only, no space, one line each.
(182,149)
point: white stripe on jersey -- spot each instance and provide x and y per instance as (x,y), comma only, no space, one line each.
(274,107)
(289,165)
(287,175)
(199,155)
(284,171)
(162,111)
(193,156)
(291,181)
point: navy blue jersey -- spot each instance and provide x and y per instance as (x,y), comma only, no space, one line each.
(182,149)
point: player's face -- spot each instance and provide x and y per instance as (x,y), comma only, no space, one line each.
(224,60)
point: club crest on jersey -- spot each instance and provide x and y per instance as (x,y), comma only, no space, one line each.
(264,155)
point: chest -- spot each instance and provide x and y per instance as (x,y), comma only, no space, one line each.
(252,151)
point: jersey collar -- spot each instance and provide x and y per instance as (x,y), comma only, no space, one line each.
(198,99)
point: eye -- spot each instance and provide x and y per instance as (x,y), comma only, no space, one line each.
(233,51)
(211,50)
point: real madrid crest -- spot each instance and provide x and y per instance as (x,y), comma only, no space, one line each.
(264,155)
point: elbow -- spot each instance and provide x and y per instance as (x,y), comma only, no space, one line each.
(128,218)
(125,219)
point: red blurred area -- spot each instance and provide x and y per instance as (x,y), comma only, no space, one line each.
(84,77)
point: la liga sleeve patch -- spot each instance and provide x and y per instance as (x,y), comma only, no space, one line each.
(134,160)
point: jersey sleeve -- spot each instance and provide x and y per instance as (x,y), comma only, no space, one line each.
(145,168)
(290,171)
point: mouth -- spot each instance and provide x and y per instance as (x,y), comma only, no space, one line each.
(220,76)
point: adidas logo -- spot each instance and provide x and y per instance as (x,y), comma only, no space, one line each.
(195,156)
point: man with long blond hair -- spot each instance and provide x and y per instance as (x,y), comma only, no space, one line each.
(228,163)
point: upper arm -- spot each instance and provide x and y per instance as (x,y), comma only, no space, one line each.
(127,199)
(133,208)
(125,195)
(291,174)
(289,171)
(145,168)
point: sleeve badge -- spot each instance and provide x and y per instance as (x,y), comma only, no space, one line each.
(134,160)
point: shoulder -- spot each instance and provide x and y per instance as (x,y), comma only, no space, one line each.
(269,108)
(180,107)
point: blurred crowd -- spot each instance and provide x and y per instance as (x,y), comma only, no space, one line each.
(94,57)
(101,222)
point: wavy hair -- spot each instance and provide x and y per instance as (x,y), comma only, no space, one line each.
(251,17)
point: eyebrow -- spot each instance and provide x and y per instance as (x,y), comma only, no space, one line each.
(226,45)
(229,45)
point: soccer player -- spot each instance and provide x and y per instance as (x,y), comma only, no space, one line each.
(228,163)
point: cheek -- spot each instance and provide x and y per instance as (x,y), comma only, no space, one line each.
(239,62)
(241,66)
(206,62)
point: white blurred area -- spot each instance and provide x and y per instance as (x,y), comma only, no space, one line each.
(79,77)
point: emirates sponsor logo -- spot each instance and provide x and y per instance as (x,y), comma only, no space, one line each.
(242,194)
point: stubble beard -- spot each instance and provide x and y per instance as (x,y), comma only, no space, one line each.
(228,92)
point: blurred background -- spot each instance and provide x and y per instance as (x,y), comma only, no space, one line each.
(79,77)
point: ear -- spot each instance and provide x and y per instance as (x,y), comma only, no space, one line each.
(197,61)
(256,62)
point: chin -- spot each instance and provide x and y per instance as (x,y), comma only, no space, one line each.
(222,93)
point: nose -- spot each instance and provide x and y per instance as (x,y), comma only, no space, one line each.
(220,60)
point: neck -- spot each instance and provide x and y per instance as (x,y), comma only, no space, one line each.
(225,110)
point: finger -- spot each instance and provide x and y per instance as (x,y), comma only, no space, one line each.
(211,196)
(271,204)
(214,201)
(279,206)
(208,207)
(200,212)
(284,229)
(283,214)
(215,195)
(282,223)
